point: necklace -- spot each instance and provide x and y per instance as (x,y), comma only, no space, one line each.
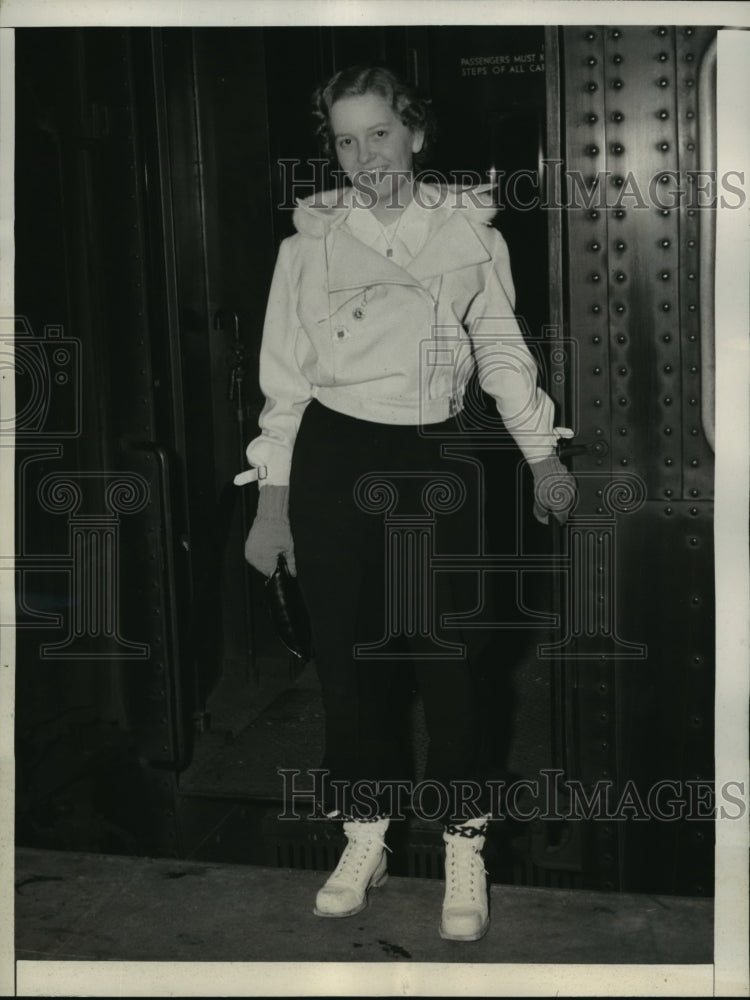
(389,251)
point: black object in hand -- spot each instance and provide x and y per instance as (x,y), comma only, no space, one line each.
(288,612)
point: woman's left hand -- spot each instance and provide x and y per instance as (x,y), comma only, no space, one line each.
(554,490)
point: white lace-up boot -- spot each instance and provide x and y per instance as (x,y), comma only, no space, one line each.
(361,866)
(465,908)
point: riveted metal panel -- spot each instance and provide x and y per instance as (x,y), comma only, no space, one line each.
(633,242)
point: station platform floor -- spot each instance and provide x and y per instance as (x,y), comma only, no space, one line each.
(72,907)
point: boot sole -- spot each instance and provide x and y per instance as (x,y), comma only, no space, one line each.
(465,937)
(357,909)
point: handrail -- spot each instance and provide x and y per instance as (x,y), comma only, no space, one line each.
(707,240)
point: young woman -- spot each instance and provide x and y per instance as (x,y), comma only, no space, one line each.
(381,304)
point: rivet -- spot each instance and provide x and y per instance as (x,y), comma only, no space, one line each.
(596,309)
(694,463)
(623,461)
(591,61)
(692,338)
(620,213)
(592,119)
(620,245)
(663,114)
(591,87)
(664,179)
(662,32)
(596,339)
(600,493)
(617,148)
(621,276)
(662,57)
(689,57)
(694,511)
(688,32)
(618,181)
(617,59)
(691,276)
(695,599)
(595,277)
(668,493)
(691,243)
(693,402)
(593,214)
(667,510)
(692,307)
(663,146)
(599,510)
(694,432)
(691,146)
(667,337)
(697,660)
(669,461)
(623,371)
(667,430)
(667,400)
(622,401)
(664,275)
(597,371)
(619,308)
(616,33)
(665,243)
(690,114)
(617,84)
(690,82)
(623,431)
(668,369)
(594,247)
(598,431)
(592,150)
(621,338)
(663,211)
(597,402)
(590,36)
(693,369)
(666,306)
(663,82)
(694,493)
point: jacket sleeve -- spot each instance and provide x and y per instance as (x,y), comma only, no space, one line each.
(286,389)
(506,368)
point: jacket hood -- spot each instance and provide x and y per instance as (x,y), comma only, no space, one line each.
(325,210)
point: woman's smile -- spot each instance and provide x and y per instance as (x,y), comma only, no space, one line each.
(372,143)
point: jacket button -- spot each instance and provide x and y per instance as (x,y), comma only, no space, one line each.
(358,313)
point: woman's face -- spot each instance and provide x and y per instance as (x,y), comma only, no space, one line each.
(371,142)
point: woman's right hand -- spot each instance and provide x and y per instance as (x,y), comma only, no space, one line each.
(271,533)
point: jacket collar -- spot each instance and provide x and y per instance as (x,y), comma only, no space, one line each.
(451,243)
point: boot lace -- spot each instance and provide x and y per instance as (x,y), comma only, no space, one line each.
(464,871)
(358,852)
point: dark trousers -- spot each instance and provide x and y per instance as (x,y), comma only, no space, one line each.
(358,593)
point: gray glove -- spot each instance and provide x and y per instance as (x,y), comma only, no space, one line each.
(554,490)
(270,533)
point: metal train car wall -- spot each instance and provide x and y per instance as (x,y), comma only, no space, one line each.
(151,164)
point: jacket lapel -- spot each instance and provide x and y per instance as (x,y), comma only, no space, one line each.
(352,264)
(454,245)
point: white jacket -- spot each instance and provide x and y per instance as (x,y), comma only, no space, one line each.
(394,344)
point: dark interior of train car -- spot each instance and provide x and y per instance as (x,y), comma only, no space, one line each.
(158,714)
